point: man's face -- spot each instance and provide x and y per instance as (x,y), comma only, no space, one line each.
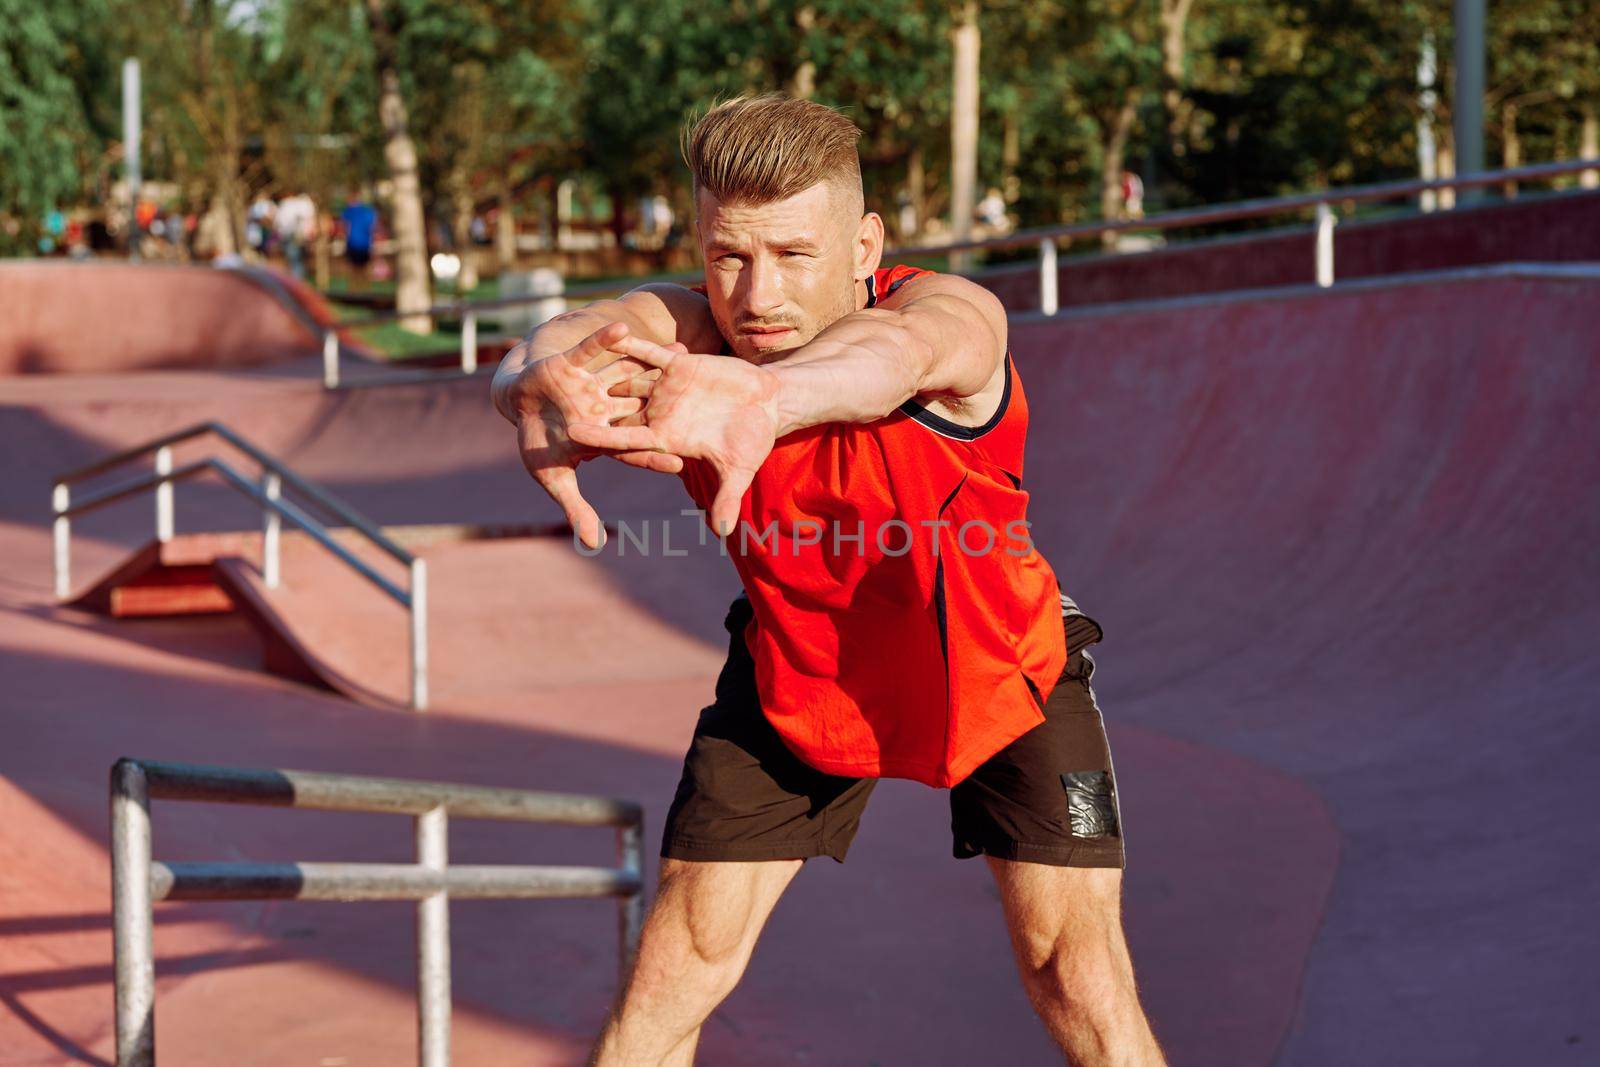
(778,274)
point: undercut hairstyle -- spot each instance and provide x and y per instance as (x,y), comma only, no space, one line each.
(761,149)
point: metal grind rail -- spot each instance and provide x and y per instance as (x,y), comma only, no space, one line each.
(1048,239)
(138,880)
(268,493)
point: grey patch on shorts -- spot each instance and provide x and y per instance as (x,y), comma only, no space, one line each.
(1090,805)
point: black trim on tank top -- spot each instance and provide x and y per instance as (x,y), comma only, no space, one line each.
(954,429)
(938,584)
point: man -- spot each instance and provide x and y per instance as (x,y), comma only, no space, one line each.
(811,402)
(360,219)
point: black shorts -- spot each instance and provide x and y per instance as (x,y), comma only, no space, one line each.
(1048,797)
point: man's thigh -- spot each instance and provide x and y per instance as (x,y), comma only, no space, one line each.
(1050,796)
(744,796)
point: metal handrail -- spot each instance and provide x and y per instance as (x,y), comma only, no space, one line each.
(268,494)
(1265,206)
(138,880)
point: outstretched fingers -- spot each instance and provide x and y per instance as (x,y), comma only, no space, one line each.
(616,438)
(730,495)
(562,485)
(599,348)
(664,462)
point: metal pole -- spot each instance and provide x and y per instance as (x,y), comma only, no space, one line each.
(1047,276)
(1467,106)
(271,530)
(433,945)
(330,359)
(131,135)
(419,635)
(133,953)
(1326,220)
(164,524)
(630,909)
(60,500)
(469,342)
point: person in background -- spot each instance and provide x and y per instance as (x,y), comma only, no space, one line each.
(359,220)
(295,224)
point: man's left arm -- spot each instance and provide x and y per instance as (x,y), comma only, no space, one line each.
(938,337)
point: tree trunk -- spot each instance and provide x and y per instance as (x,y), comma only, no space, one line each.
(1447,169)
(964,42)
(1117,132)
(413,285)
(322,253)
(805,75)
(1510,145)
(917,192)
(1589,146)
(461,229)
(505,229)
(1174,17)
(1010,159)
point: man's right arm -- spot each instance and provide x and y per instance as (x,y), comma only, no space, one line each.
(659,312)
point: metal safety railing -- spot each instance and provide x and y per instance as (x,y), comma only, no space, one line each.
(268,492)
(138,880)
(1323,204)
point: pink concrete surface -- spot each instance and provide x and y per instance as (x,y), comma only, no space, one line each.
(98,316)
(1342,546)
(1539,227)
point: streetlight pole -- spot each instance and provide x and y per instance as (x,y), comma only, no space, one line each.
(1467,107)
(131,129)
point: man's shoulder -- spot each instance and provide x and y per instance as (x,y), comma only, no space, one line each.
(887,280)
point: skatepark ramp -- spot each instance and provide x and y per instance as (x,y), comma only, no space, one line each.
(137,879)
(154,317)
(268,492)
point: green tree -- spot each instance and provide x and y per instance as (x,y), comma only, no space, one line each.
(53,126)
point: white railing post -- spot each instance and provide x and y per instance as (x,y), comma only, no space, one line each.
(132,924)
(469,342)
(330,358)
(1048,302)
(419,635)
(60,500)
(433,944)
(164,495)
(1326,220)
(271,529)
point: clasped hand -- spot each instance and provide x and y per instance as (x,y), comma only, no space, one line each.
(650,406)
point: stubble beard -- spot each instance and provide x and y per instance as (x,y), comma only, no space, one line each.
(845,305)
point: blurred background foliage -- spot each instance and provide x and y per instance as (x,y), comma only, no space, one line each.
(1206,100)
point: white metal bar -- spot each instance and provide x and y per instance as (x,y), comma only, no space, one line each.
(1048,302)
(60,501)
(419,635)
(1326,220)
(433,944)
(469,343)
(133,949)
(271,529)
(357,882)
(353,792)
(630,909)
(330,358)
(164,524)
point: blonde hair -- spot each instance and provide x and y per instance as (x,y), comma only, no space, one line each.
(759,149)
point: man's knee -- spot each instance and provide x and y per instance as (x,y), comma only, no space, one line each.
(705,921)
(1067,928)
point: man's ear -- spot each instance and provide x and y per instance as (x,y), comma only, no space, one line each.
(868,246)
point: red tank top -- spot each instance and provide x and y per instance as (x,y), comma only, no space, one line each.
(903,625)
